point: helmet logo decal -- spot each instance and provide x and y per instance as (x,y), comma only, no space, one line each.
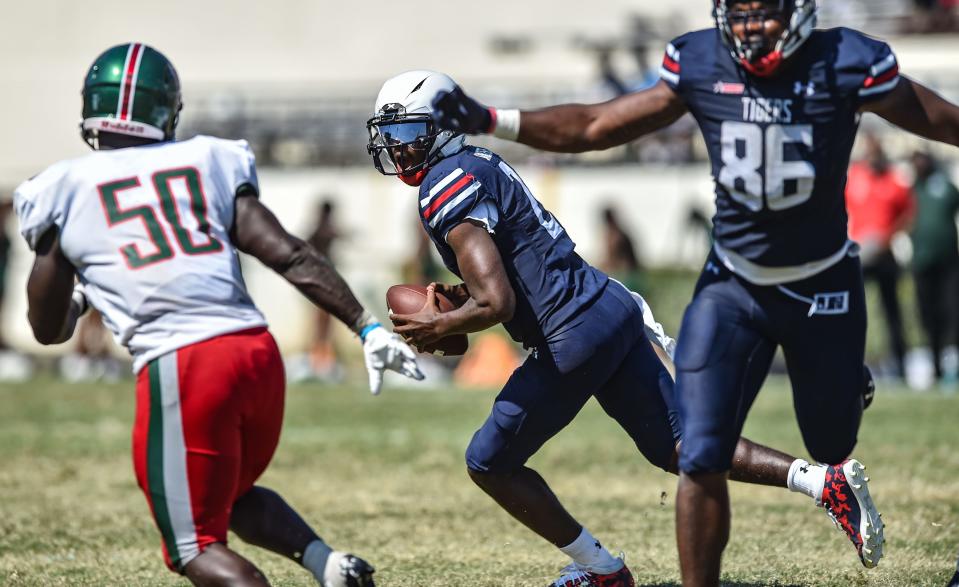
(131,68)
(418,86)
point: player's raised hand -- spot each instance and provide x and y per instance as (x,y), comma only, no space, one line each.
(454,110)
(384,350)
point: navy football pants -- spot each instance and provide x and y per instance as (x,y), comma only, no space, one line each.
(729,334)
(603,352)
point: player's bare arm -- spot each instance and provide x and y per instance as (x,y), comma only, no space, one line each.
(491,297)
(257,232)
(568,128)
(575,128)
(53,309)
(919,110)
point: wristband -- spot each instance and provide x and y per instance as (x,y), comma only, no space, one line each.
(505,123)
(365,319)
(367,329)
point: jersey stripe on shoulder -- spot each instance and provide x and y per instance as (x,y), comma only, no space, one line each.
(670,67)
(450,198)
(440,185)
(883,76)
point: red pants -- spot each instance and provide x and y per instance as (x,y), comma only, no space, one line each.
(208,419)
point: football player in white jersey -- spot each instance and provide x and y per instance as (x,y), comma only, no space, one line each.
(151,228)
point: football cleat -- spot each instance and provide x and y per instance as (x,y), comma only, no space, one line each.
(346,570)
(845,496)
(574,575)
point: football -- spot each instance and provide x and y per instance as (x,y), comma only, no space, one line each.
(409,299)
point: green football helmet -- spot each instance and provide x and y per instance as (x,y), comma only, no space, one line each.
(133,90)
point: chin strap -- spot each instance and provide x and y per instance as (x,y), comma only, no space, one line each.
(414,179)
(765,66)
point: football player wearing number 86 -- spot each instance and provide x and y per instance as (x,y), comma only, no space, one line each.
(152,227)
(589,336)
(778,103)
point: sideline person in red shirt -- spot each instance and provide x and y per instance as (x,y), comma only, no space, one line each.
(880,204)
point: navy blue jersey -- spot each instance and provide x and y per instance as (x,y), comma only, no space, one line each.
(780,146)
(552,283)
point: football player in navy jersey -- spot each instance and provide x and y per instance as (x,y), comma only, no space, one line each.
(589,335)
(778,103)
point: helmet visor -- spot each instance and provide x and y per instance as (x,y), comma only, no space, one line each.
(400,147)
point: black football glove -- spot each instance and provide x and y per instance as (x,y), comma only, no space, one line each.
(459,113)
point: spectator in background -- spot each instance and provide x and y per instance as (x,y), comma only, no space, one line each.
(5,209)
(935,257)
(14,366)
(932,16)
(619,252)
(880,205)
(323,359)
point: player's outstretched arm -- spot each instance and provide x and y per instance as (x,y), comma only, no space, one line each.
(257,232)
(53,304)
(917,109)
(569,128)
(491,298)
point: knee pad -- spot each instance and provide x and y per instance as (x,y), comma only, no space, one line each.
(492,449)
(707,317)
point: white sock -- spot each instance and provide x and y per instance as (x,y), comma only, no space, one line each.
(587,552)
(315,557)
(806,478)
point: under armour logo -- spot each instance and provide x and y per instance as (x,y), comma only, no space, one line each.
(804,89)
(712,268)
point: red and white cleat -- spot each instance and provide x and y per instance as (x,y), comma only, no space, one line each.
(845,496)
(575,576)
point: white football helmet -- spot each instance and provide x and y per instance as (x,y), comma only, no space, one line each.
(404,141)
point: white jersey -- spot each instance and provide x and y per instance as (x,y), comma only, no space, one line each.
(148,231)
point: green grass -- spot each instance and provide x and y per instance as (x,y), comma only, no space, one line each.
(385,477)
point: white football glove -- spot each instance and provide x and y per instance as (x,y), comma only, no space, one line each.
(384,350)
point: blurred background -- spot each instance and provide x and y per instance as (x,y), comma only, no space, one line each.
(297,79)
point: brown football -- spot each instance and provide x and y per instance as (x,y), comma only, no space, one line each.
(409,299)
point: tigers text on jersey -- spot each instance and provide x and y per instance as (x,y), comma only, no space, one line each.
(780,146)
(147,229)
(551,282)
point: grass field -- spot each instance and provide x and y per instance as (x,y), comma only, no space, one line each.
(385,477)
